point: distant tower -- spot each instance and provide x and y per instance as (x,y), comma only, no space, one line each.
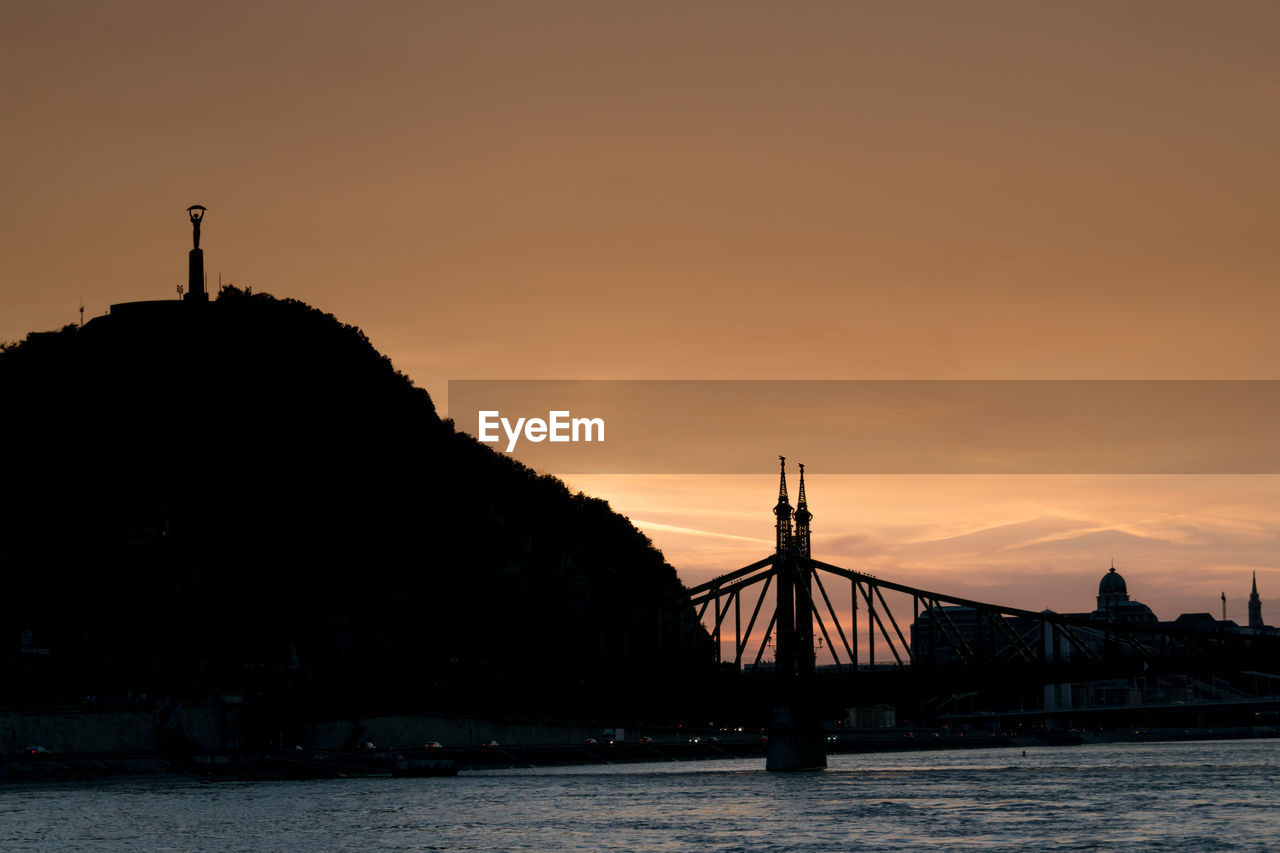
(783,510)
(1255,605)
(803,517)
(195,259)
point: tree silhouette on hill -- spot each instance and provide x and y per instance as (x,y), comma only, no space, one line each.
(249,490)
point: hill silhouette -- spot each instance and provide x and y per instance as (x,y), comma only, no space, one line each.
(247,495)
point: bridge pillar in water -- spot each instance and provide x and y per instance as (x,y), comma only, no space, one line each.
(795,739)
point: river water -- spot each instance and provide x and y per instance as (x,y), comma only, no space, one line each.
(1171,796)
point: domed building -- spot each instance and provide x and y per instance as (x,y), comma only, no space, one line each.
(1114,602)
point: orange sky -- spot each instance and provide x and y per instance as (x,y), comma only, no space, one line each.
(705,190)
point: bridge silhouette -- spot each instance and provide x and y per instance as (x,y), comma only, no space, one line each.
(958,660)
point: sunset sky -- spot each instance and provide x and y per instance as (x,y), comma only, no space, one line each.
(712,190)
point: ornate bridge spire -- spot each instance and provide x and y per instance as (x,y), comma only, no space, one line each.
(783,509)
(803,517)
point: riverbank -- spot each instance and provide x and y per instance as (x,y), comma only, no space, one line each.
(312,764)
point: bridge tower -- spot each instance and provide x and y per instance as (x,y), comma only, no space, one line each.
(803,517)
(783,511)
(795,731)
(785,648)
(803,584)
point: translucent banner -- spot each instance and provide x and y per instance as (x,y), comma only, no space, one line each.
(878,427)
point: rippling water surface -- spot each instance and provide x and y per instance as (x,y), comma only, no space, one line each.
(1185,796)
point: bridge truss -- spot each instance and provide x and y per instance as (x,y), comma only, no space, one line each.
(944,629)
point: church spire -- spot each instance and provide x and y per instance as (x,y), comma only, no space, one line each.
(783,509)
(1255,605)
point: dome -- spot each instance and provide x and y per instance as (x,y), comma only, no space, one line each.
(1112,583)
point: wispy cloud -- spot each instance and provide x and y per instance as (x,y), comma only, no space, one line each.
(692,531)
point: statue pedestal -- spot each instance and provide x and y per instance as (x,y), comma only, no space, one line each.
(195,277)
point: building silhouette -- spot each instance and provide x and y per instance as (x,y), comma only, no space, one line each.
(1115,605)
(938,633)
